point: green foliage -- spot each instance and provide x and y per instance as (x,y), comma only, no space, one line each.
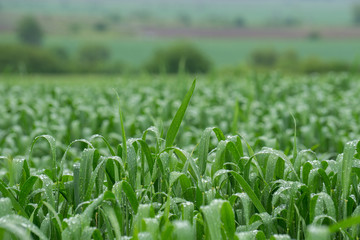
(266,57)
(29,31)
(239,22)
(314,35)
(356,14)
(96,59)
(61,53)
(25,59)
(74,27)
(179,58)
(93,54)
(316,65)
(184,19)
(289,61)
(176,180)
(114,17)
(100,26)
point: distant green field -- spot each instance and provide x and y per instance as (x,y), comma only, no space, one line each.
(223,52)
(254,12)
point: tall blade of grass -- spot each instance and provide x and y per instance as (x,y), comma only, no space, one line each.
(270,168)
(295,143)
(18,224)
(147,152)
(348,222)
(234,125)
(16,170)
(14,229)
(175,124)
(111,150)
(26,188)
(151,225)
(94,174)
(246,206)
(167,231)
(5,207)
(248,191)
(132,165)
(52,144)
(129,192)
(280,155)
(355,230)
(63,159)
(204,149)
(55,214)
(145,211)
(123,134)
(219,157)
(183,231)
(211,215)
(298,163)
(48,185)
(228,220)
(86,167)
(87,233)
(76,181)
(106,225)
(194,170)
(110,214)
(187,211)
(6,193)
(346,168)
(77,223)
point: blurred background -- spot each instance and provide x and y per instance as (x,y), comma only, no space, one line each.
(196,36)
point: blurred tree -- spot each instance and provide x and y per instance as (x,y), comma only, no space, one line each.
(114,17)
(29,31)
(93,54)
(314,35)
(182,57)
(100,26)
(184,19)
(239,22)
(291,22)
(288,60)
(356,14)
(266,57)
(60,52)
(29,59)
(74,27)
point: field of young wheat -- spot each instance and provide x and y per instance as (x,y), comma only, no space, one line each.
(252,157)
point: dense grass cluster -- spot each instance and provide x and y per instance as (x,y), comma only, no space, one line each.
(229,164)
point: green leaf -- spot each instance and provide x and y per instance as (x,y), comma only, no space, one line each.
(175,124)
(52,144)
(19,226)
(111,150)
(345,224)
(124,146)
(228,219)
(317,233)
(6,193)
(113,219)
(5,207)
(183,231)
(248,191)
